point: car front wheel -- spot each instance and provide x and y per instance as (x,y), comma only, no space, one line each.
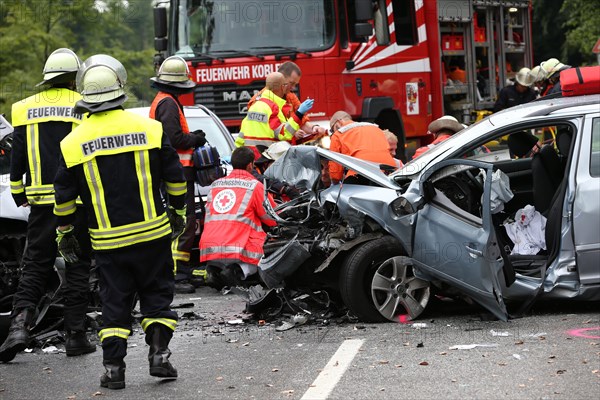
(357,274)
(396,291)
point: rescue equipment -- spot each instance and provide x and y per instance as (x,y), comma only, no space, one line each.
(580,80)
(207,163)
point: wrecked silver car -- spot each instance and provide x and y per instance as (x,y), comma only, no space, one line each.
(502,213)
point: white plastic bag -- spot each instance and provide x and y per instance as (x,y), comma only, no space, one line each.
(528,232)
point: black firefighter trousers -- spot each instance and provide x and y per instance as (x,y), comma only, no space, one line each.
(145,269)
(183,245)
(38,266)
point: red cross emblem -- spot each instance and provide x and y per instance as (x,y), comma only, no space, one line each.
(224,201)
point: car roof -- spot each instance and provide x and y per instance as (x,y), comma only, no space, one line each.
(538,110)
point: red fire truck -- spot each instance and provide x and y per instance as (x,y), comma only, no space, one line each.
(398,63)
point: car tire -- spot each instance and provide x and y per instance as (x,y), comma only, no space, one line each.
(357,273)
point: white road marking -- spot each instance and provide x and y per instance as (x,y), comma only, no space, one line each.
(333,371)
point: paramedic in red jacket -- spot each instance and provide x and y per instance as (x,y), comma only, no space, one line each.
(235,214)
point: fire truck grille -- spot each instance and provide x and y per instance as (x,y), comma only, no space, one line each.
(227,100)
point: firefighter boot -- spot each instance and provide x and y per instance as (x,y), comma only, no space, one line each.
(114,376)
(18,335)
(77,344)
(158,337)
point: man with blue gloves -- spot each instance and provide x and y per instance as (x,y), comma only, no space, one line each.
(265,122)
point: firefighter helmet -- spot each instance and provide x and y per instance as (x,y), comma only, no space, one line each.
(552,66)
(174,72)
(101,78)
(537,74)
(276,150)
(524,77)
(60,67)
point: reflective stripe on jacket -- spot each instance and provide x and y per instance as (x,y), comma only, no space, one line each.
(41,122)
(265,123)
(185,155)
(234,214)
(361,140)
(115,161)
(292,103)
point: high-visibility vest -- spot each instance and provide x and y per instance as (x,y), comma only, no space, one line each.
(136,214)
(265,122)
(292,103)
(232,225)
(52,105)
(185,155)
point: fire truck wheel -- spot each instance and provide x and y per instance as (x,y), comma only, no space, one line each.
(356,276)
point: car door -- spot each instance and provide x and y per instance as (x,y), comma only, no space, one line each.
(456,246)
(586,209)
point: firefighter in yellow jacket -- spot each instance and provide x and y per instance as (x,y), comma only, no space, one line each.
(116,162)
(41,121)
(265,122)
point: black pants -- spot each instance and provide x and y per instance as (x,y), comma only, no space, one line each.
(38,264)
(183,247)
(145,269)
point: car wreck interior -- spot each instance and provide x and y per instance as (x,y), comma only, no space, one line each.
(535,160)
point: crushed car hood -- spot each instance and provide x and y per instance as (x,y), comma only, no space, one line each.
(367,169)
(299,167)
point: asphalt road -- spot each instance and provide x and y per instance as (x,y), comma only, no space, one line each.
(554,353)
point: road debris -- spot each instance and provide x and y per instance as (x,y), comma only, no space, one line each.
(50,349)
(502,334)
(470,346)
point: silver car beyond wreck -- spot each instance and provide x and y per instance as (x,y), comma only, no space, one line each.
(439,224)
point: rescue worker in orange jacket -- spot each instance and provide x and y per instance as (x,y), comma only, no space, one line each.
(233,236)
(265,122)
(171,81)
(357,139)
(292,74)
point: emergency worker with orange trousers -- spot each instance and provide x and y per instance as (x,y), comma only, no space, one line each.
(116,162)
(266,122)
(41,121)
(172,80)
(292,74)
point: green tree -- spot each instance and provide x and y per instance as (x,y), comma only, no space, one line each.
(548,36)
(31,30)
(582,30)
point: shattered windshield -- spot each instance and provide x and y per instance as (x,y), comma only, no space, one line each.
(227,28)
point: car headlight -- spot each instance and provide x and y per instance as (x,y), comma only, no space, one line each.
(401,207)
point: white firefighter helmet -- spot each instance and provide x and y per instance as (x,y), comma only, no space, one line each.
(174,72)
(537,74)
(552,66)
(60,67)
(276,150)
(524,77)
(101,78)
